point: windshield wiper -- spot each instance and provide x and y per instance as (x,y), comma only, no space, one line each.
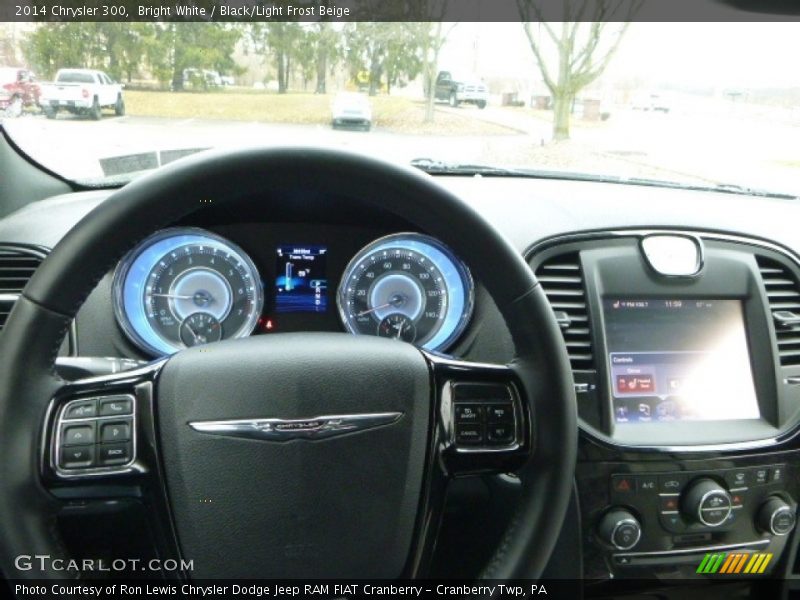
(438,167)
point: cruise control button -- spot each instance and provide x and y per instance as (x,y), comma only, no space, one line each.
(469,433)
(81,410)
(500,433)
(500,413)
(118,431)
(77,456)
(468,413)
(113,454)
(116,406)
(74,435)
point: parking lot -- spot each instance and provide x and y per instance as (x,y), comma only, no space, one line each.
(701,144)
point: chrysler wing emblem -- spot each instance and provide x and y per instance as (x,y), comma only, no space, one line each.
(280,430)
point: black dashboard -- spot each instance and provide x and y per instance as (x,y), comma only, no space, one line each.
(686,355)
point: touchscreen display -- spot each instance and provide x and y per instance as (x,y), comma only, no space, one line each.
(300,282)
(673,360)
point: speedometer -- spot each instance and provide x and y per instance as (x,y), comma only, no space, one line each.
(408,287)
(184,287)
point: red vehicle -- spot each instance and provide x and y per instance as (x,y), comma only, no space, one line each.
(18,90)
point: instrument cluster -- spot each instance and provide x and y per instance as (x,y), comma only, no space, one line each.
(186,286)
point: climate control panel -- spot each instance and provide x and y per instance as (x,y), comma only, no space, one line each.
(669,518)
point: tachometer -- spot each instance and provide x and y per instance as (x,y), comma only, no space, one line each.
(184,287)
(408,287)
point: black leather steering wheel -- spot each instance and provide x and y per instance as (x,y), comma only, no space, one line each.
(365,504)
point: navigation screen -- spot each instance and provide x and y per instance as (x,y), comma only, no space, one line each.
(673,360)
(300,281)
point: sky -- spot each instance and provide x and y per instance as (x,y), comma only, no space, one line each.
(731,55)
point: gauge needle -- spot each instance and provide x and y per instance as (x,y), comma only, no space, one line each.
(176,296)
(395,301)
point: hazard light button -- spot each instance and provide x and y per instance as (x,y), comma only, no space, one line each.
(623,484)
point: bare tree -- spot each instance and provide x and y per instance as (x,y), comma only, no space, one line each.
(434,37)
(585,42)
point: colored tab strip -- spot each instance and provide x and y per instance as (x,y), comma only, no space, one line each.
(727,564)
(740,564)
(763,566)
(751,563)
(703,563)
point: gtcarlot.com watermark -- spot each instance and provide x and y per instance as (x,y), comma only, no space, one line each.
(45,562)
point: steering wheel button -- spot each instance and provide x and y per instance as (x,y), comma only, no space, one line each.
(500,434)
(118,431)
(74,435)
(114,454)
(468,413)
(469,433)
(81,410)
(500,413)
(121,405)
(77,457)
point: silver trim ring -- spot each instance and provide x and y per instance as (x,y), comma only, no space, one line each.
(782,509)
(701,508)
(619,524)
(282,430)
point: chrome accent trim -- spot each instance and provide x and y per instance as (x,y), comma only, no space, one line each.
(98,469)
(9,297)
(701,509)
(775,514)
(619,524)
(698,550)
(781,437)
(281,430)
(651,257)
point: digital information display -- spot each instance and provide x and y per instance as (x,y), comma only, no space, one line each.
(300,279)
(673,360)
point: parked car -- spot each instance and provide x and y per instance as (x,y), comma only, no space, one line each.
(18,90)
(461,89)
(201,79)
(81,91)
(351,109)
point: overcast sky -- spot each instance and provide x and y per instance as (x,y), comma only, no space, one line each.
(744,55)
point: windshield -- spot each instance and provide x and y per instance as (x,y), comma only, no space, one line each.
(701,104)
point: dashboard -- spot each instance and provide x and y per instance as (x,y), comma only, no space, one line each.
(680,312)
(186,287)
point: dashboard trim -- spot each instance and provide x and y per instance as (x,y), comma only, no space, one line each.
(784,436)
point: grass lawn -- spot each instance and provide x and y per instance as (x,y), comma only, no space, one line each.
(399,115)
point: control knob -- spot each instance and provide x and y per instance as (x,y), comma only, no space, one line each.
(620,529)
(707,502)
(775,516)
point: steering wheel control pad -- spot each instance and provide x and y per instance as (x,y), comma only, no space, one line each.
(336,505)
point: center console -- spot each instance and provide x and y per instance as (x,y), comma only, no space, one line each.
(685,348)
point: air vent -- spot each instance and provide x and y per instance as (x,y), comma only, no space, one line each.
(562,281)
(783,294)
(17,266)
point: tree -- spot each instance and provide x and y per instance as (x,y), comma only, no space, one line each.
(196,45)
(382,49)
(280,40)
(326,44)
(434,36)
(583,49)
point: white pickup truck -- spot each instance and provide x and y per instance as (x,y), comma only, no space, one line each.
(81,91)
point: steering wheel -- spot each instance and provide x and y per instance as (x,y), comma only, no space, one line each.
(317,455)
